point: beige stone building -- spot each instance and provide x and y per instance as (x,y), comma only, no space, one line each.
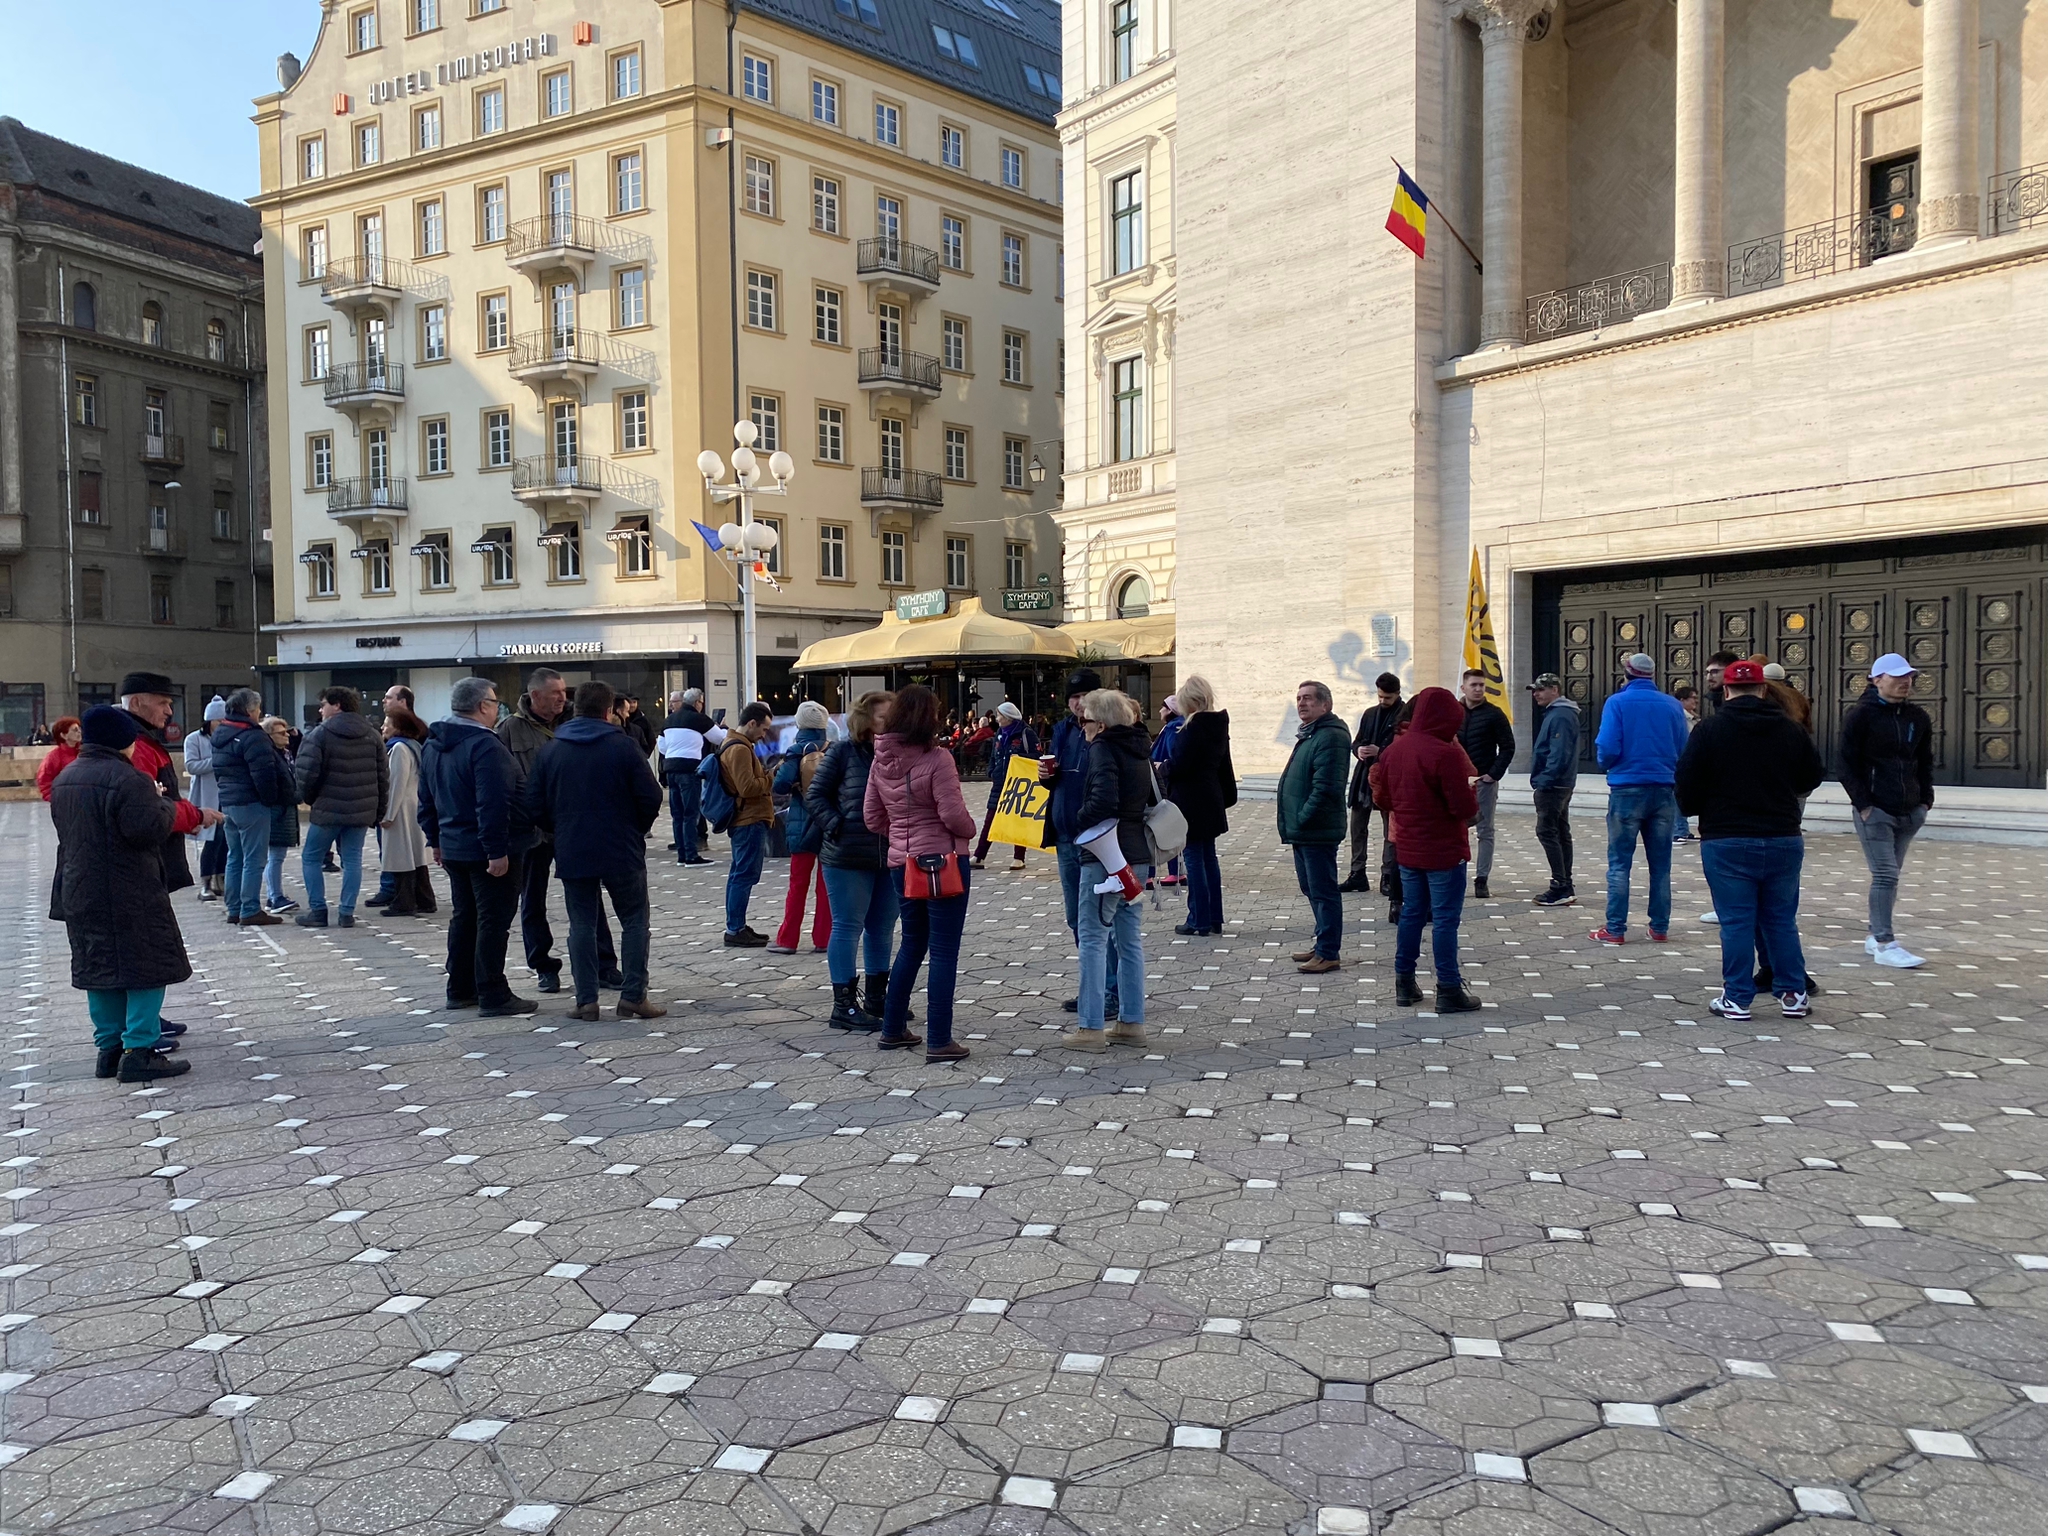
(525,263)
(1754,363)
(1117,132)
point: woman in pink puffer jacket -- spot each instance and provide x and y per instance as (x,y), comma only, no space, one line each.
(914,800)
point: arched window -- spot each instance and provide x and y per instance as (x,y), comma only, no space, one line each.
(152,324)
(216,341)
(1133,598)
(85,307)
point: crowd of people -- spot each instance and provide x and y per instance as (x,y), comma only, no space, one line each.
(882,844)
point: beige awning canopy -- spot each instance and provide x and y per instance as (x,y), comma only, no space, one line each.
(967,633)
(1126,639)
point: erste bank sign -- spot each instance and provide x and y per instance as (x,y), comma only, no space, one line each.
(464,67)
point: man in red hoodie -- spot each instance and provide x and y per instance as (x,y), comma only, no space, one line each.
(1427,783)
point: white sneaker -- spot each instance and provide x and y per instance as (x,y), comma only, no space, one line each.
(1870,945)
(1708,917)
(1726,1009)
(1898,957)
(1794,1005)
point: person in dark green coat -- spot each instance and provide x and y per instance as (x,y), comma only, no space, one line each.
(1313,818)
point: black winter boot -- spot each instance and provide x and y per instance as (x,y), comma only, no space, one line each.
(876,998)
(109,1062)
(1406,993)
(847,1013)
(148,1066)
(1455,1000)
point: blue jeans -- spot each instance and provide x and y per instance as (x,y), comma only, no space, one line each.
(685,798)
(749,844)
(934,926)
(1648,812)
(1071,859)
(131,1020)
(349,842)
(1205,886)
(864,907)
(248,830)
(1755,885)
(273,875)
(1315,867)
(1436,897)
(1112,957)
(629,901)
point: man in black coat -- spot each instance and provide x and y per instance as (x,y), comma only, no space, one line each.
(344,777)
(125,945)
(1887,758)
(592,790)
(1745,772)
(149,699)
(1375,731)
(1489,740)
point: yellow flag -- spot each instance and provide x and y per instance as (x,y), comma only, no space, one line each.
(1022,810)
(1481,654)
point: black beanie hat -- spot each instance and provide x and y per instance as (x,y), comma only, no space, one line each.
(1083,681)
(105,726)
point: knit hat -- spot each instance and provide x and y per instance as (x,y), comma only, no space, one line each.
(1640,665)
(811,716)
(105,726)
(145,682)
(1009,711)
(1173,704)
(216,709)
(1084,681)
(1773,673)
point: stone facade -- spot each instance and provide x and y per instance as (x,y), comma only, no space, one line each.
(133,511)
(634,228)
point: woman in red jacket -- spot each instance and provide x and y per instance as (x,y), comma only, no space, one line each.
(66,733)
(1427,779)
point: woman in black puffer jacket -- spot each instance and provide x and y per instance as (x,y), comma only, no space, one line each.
(1118,784)
(855,862)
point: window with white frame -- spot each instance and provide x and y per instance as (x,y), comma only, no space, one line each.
(1013,357)
(565,552)
(1013,167)
(1015,451)
(1127,406)
(497,326)
(831,552)
(434,446)
(377,568)
(825,205)
(433,333)
(1015,573)
(629,186)
(636,550)
(773,559)
(956,453)
(1127,222)
(953,242)
(369,143)
(633,432)
(761,300)
(895,560)
(490,110)
(765,411)
(433,227)
(892,446)
(626,74)
(319,352)
(490,215)
(426,128)
(831,434)
(495,546)
(959,567)
(825,314)
(629,284)
(316,251)
(888,124)
(437,570)
(426,15)
(889,217)
(757,79)
(362,30)
(825,103)
(320,570)
(555,97)
(497,439)
(1013,261)
(758,181)
(952,147)
(312,157)
(953,344)
(1123,40)
(320,460)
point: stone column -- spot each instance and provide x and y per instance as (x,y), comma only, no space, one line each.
(1699,255)
(1503,31)
(13,533)
(1951,187)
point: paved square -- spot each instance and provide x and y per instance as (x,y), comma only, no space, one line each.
(1590,1260)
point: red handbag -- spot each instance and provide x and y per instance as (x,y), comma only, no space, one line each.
(933,877)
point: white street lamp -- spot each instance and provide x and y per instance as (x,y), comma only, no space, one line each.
(745,543)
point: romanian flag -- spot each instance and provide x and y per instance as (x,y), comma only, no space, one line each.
(1481,653)
(1408,220)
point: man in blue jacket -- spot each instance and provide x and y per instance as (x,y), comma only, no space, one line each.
(1642,733)
(1068,776)
(467,783)
(592,791)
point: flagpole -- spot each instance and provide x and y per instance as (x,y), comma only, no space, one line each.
(1477,265)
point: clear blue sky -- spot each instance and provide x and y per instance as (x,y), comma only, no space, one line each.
(164,85)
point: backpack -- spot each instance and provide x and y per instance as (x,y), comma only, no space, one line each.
(807,770)
(715,800)
(1166,825)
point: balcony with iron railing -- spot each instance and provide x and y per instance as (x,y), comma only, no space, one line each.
(1816,250)
(891,370)
(2016,200)
(556,242)
(559,354)
(360,496)
(354,387)
(1603,301)
(891,261)
(356,285)
(578,480)
(912,489)
(166,448)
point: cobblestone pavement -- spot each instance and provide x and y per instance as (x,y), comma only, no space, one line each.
(1589,1261)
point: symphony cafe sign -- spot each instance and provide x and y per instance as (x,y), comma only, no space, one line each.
(464,67)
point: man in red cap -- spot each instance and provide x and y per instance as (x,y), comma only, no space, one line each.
(1744,772)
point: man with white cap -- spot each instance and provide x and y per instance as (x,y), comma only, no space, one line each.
(1887,768)
(1642,733)
(1012,737)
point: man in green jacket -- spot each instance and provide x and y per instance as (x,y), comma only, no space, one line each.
(1312,818)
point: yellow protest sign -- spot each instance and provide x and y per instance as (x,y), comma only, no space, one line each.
(1022,810)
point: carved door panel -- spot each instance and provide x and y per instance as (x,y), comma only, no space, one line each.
(1794,626)
(1925,624)
(2000,699)
(1577,657)
(1733,624)
(1680,658)
(1627,633)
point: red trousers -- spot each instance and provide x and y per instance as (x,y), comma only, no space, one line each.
(803,874)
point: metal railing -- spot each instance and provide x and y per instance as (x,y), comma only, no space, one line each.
(162,448)
(367,493)
(2016,199)
(570,232)
(543,476)
(1834,245)
(893,365)
(540,348)
(353,381)
(382,273)
(902,487)
(1603,301)
(892,255)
